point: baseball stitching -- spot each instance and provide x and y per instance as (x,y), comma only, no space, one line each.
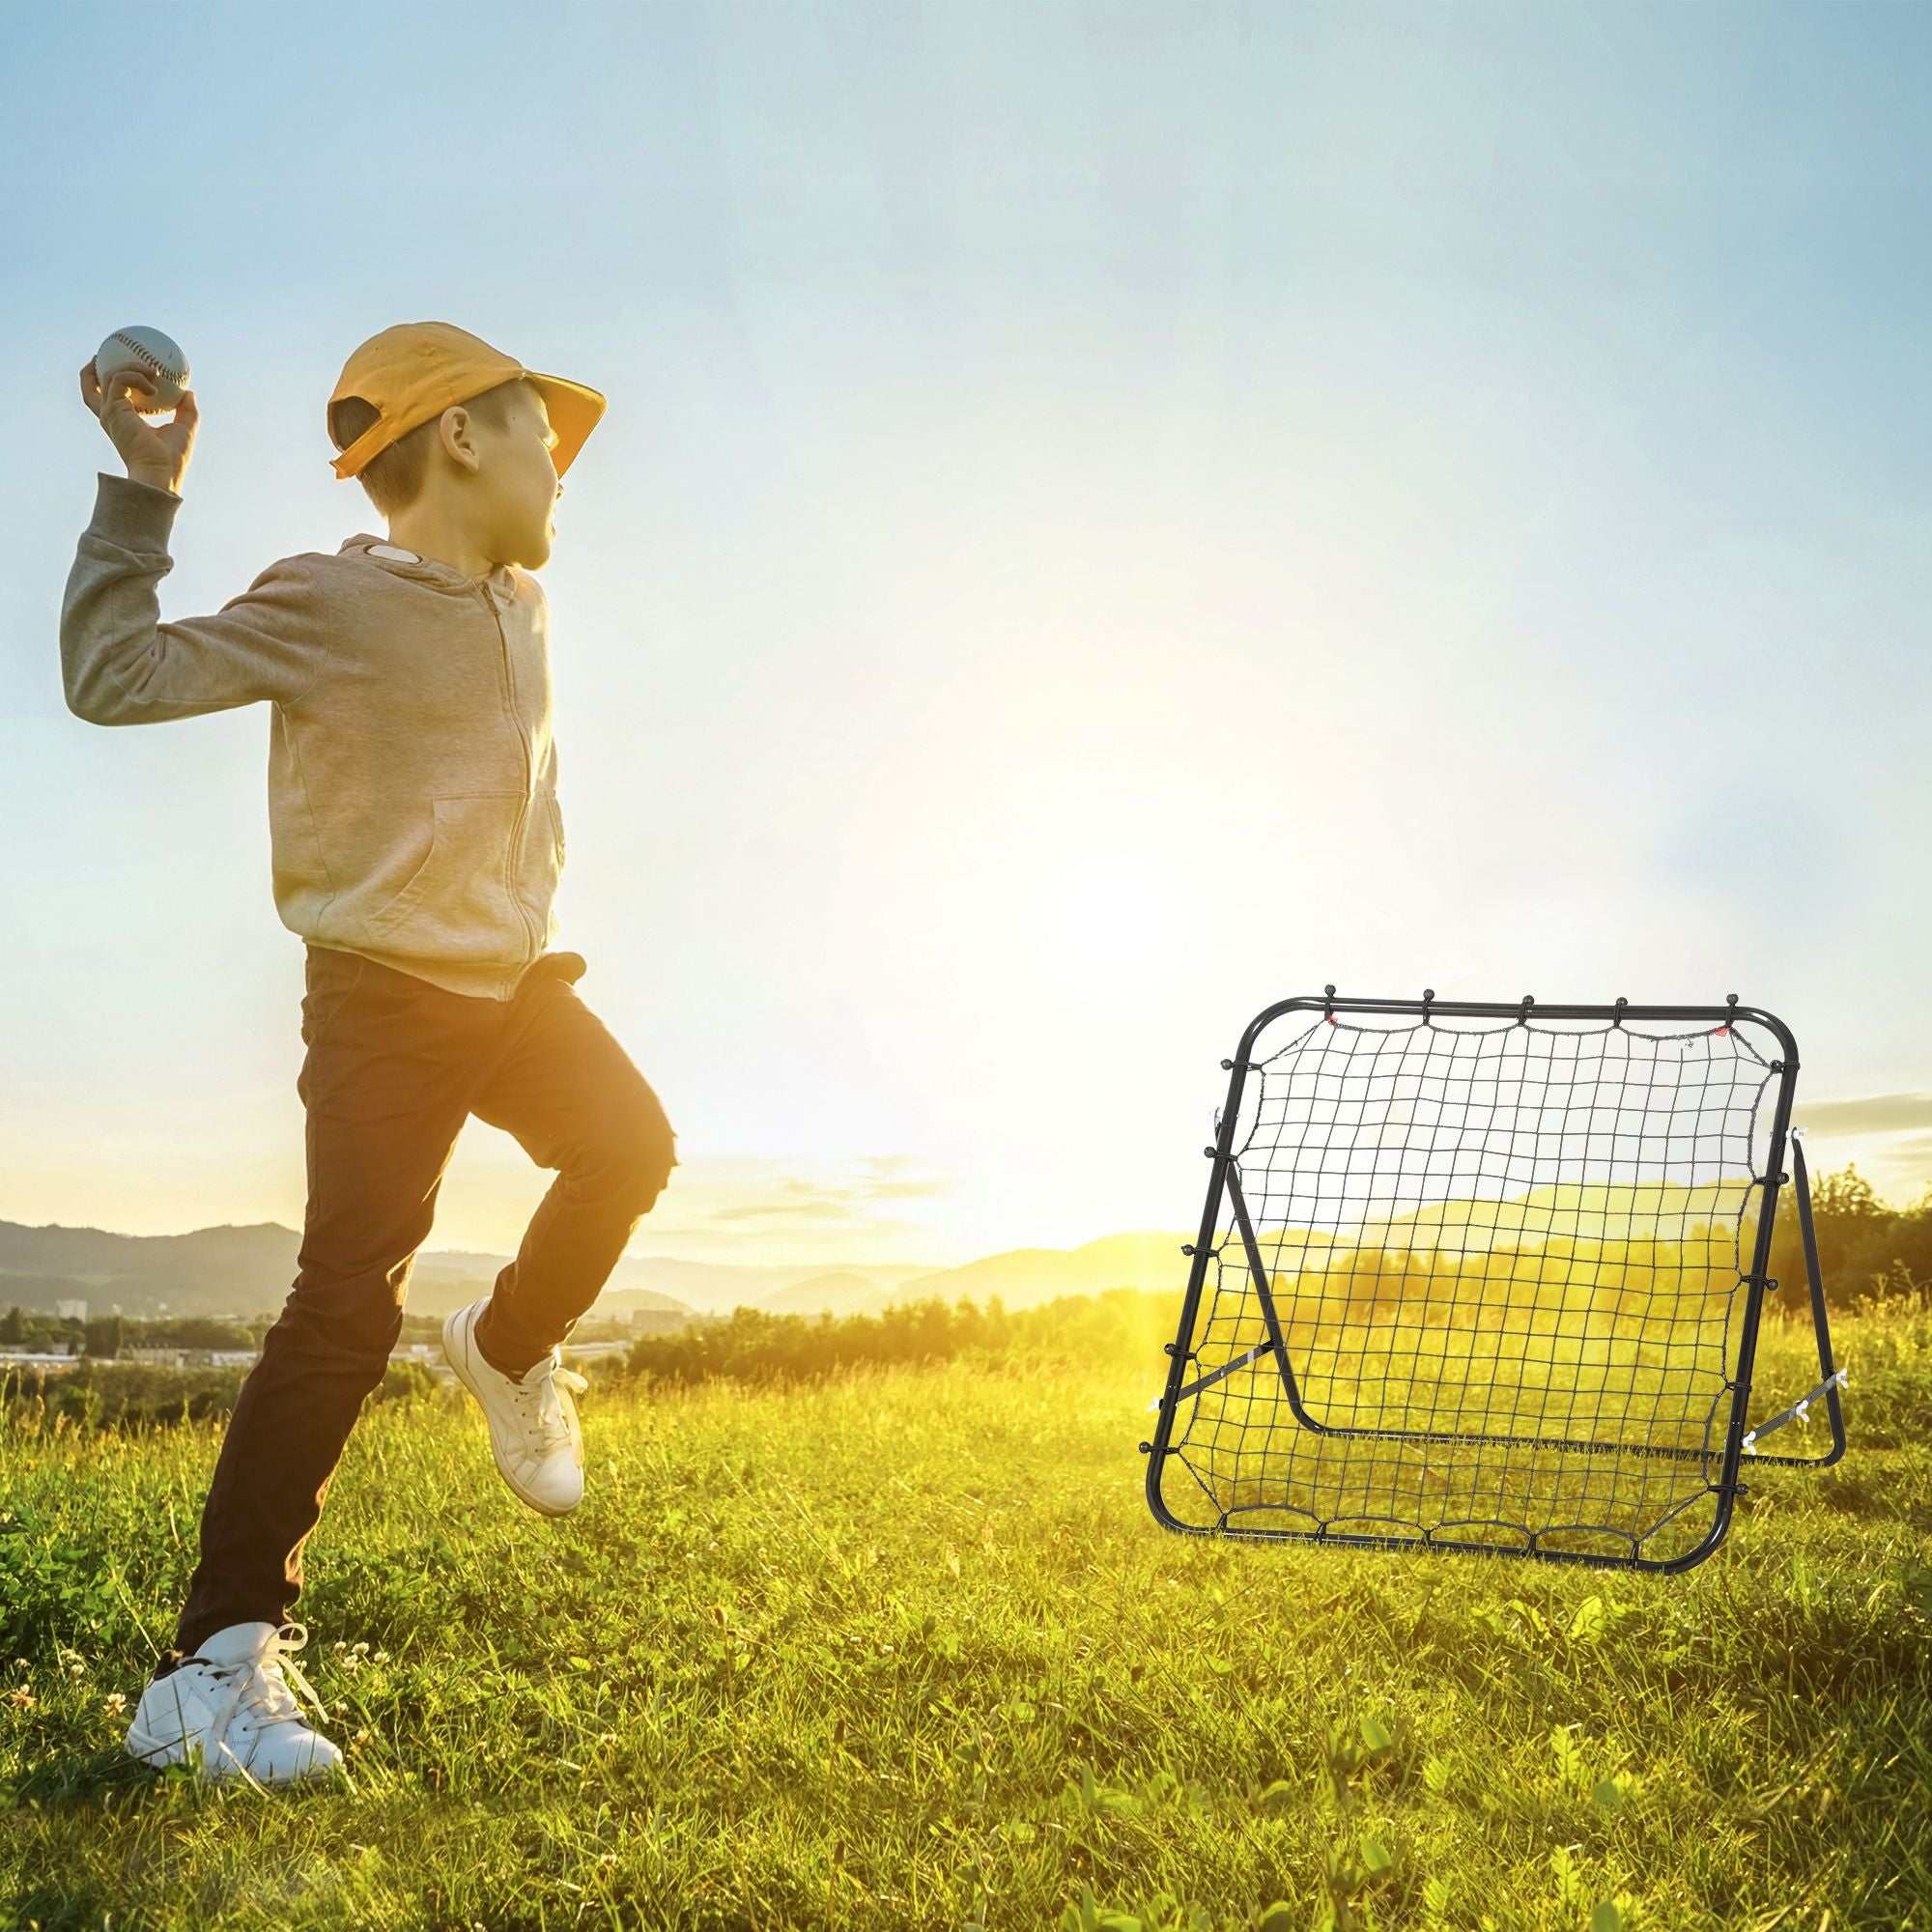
(147,356)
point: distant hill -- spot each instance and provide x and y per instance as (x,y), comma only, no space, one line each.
(716,1287)
(844,1291)
(1024,1276)
(438,1291)
(225,1271)
(248,1272)
(710,1287)
(244,1271)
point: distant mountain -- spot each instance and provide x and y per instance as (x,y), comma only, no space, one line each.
(716,1287)
(436,1291)
(710,1287)
(247,1271)
(225,1271)
(1024,1276)
(661,1310)
(844,1291)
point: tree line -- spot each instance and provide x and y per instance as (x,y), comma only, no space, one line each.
(104,1336)
(754,1345)
(1869,1251)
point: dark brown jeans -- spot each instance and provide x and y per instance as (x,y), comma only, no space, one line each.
(395,1067)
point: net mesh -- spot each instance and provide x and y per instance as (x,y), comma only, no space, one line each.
(1478,1281)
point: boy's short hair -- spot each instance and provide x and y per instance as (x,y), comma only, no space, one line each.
(394,479)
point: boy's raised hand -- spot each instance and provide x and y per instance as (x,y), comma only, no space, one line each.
(157,456)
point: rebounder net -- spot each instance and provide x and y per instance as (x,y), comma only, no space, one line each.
(1483,1277)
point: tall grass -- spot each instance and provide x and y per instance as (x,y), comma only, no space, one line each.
(900,1647)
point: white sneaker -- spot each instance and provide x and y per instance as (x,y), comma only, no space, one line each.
(228,1711)
(533,1431)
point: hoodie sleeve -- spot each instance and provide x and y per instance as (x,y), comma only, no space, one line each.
(121,665)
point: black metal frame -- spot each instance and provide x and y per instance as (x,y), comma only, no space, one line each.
(1225,1179)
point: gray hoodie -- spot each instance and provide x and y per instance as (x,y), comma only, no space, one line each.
(412,807)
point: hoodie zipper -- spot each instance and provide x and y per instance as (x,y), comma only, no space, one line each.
(529,763)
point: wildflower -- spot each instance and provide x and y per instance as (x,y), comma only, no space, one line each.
(113,1703)
(381,1656)
(21,1699)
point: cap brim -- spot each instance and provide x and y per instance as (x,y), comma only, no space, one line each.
(573,412)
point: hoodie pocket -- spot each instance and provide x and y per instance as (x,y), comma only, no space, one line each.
(540,864)
(458,892)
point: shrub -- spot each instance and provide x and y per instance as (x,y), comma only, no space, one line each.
(136,1396)
(405,1381)
(128,1396)
(753,1346)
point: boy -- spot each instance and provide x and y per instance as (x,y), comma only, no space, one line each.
(416,849)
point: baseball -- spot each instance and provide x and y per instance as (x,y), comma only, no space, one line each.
(149,354)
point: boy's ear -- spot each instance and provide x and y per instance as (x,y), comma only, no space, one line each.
(459,438)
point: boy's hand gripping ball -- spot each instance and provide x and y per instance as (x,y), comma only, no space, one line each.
(153,358)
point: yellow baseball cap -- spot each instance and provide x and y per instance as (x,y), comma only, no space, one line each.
(414,372)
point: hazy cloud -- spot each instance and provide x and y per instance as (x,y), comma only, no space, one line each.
(742,1201)
(882,1178)
(1902,1167)
(819,1211)
(1879,1114)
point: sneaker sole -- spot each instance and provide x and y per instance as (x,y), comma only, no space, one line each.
(456,1356)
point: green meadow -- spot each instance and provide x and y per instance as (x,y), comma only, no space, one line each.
(901,1647)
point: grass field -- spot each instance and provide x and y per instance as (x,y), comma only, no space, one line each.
(906,1650)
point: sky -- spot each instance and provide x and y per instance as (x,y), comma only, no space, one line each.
(1109,517)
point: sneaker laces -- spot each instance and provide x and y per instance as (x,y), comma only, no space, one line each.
(540,1403)
(258,1686)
